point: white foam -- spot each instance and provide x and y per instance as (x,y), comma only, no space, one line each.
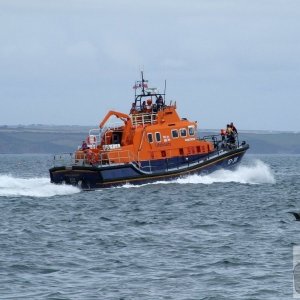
(256,172)
(34,187)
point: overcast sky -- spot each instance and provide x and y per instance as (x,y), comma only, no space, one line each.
(70,61)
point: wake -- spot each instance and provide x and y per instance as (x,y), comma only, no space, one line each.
(257,172)
(34,187)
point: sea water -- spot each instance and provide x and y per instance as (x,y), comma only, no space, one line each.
(227,235)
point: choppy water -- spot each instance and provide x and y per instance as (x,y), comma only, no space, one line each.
(227,235)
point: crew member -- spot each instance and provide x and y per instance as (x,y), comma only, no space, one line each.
(159,102)
(133,109)
(144,107)
(149,105)
(234,130)
(84,145)
(230,135)
(223,134)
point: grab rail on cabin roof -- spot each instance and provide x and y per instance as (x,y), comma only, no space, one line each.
(144,118)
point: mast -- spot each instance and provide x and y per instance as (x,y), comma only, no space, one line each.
(165,91)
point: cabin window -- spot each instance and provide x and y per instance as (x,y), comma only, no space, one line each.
(174,133)
(163,153)
(183,132)
(191,130)
(157,136)
(150,137)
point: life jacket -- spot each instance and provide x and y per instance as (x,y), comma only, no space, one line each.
(229,131)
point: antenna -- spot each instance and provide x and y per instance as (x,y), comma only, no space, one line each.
(143,86)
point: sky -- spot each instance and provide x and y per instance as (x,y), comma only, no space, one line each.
(67,62)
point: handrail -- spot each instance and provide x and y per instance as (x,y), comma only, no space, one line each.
(116,157)
(94,138)
(102,159)
(143,118)
(63,159)
(225,142)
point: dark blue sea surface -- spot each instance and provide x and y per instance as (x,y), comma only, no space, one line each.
(227,235)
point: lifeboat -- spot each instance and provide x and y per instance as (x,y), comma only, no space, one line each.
(149,143)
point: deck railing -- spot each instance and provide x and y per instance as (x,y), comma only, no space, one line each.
(223,142)
(88,158)
(63,159)
(116,157)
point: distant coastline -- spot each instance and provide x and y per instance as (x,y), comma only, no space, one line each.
(39,138)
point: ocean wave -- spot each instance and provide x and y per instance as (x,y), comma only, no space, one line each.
(34,187)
